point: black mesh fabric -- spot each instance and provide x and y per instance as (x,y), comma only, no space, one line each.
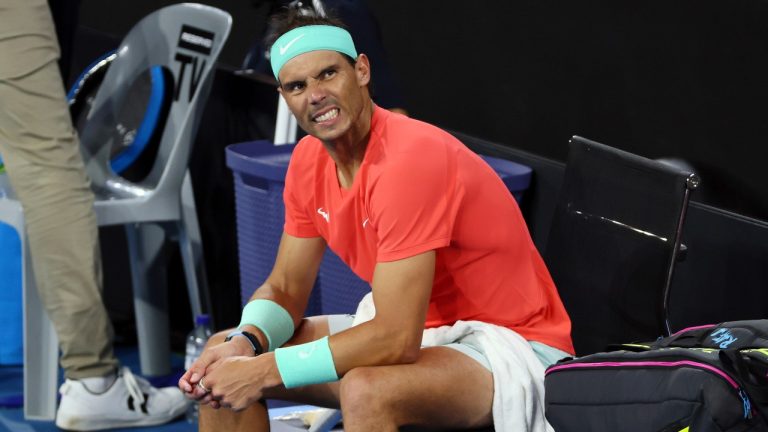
(612,243)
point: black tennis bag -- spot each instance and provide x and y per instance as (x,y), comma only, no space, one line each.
(708,378)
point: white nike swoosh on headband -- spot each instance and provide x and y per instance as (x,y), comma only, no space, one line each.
(284,48)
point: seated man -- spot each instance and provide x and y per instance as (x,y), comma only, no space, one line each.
(439,237)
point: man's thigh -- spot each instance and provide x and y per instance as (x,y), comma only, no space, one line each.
(445,388)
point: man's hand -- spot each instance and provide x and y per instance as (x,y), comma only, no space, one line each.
(238,382)
(207,362)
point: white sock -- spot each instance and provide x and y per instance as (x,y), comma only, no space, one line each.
(98,384)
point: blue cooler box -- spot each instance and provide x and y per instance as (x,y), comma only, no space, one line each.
(516,176)
(259,175)
(11,348)
(259,170)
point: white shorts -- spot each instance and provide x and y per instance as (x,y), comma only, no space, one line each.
(467,345)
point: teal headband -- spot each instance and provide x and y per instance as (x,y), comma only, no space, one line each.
(310,38)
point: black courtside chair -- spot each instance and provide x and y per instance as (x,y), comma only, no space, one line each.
(614,243)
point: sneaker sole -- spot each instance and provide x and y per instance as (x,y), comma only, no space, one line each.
(90,424)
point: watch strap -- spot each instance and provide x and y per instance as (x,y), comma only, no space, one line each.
(252,339)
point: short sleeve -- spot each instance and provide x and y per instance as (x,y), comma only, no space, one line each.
(412,205)
(296,196)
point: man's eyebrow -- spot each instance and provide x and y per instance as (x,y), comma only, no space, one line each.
(330,68)
(292,83)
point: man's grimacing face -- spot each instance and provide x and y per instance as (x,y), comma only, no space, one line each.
(325,92)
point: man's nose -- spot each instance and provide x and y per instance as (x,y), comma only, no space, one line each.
(316,91)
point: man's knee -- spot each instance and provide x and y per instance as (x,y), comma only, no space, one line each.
(364,390)
(255,418)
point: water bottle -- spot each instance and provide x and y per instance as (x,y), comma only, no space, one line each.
(195,343)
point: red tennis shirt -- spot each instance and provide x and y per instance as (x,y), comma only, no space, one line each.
(419,189)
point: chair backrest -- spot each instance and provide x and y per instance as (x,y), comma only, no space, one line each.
(140,121)
(614,241)
(184,40)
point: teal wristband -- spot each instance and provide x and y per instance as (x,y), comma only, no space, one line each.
(271,318)
(305,364)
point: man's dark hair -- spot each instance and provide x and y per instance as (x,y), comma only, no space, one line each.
(300,16)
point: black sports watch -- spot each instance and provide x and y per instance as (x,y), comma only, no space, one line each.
(255,344)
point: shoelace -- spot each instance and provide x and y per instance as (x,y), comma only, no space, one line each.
(131,382)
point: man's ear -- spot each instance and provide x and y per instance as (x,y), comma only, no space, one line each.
(363,70)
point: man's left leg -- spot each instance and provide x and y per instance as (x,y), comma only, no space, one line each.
(255,417)
(444,389)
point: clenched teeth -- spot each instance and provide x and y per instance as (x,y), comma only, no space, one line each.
(332,114)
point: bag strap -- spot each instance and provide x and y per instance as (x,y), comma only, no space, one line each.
(688,338)
(727,335)
(751,377)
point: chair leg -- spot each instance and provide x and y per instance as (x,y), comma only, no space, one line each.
(150,296)
(41,346)
(191,245)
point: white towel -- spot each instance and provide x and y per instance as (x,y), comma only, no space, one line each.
(518,375)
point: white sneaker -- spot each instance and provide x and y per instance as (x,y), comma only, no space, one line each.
(130,401)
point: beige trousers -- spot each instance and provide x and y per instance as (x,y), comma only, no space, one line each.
(42,158)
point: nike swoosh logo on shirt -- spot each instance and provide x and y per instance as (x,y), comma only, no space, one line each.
(284,48)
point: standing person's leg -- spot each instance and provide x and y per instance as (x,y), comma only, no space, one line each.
(42,155)
(43,159)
